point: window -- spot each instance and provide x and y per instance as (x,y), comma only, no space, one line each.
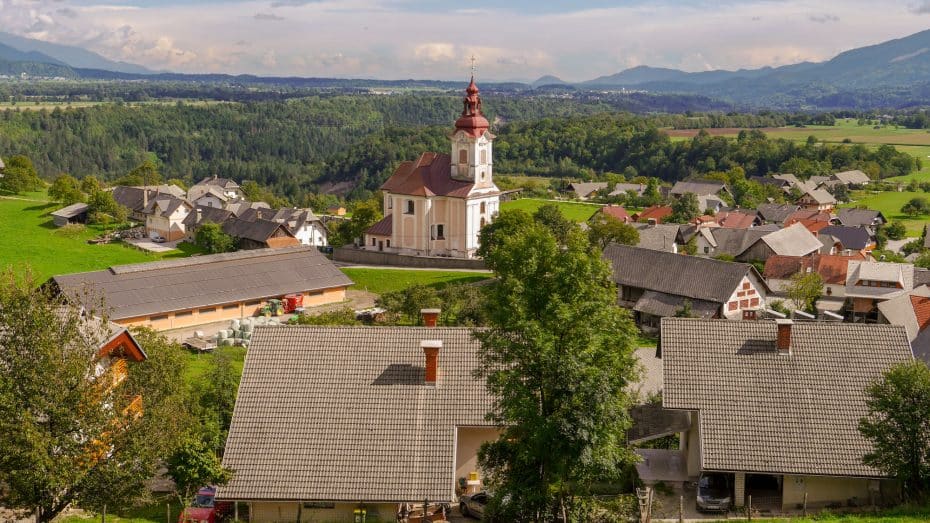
(372,242)
(706,249)
(315,293)
(732,306)
(409,209)
(482,208)
(437,232)
(390,203)
(318,505)
(483,175)
(183,314)
(158,318)
(207,310)
(252,303)
(230,307)
(463,156)
(388,244)
(484,157)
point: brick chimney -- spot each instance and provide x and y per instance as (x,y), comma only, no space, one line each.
(431,349)
(783,339)
(430,316)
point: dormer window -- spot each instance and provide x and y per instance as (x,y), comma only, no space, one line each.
(409,208)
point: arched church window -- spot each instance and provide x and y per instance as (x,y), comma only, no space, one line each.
(482,208)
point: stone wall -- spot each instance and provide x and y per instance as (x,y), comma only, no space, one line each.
(363,257)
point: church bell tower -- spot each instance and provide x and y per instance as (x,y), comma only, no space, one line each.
(471,141)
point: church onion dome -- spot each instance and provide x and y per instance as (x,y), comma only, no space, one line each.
(472,121)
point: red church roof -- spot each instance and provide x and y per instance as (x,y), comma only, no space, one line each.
(430,175)
(472,120)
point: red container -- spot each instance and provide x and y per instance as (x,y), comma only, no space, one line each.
(293,302)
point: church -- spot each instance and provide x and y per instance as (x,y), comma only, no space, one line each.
(436,205)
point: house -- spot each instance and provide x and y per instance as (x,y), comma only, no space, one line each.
(868,283)
(653,214)
(699,188)
(656,284)
(586,190)
(306,226)
(259,233)
(201,215)
(854,178)
(776,405)
(789,181)
(348,423)
(223,189)
(831,267)
(439,202)
(615,211)
(164,217)
(622,189)
(813,220)
(780,183)
(659,237)
(171,294)
(709,203)
(238,208)
(776,212)
(136,199)
(861,218)
(912,311)
(337,210)
(819,199)
(74,213)
(738,219)
(720,241)
(211,196)
(851,238)
(793,240)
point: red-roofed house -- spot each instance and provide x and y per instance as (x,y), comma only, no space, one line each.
(617,212)
(738,220)
(832,268)
(436,205)
(654,214)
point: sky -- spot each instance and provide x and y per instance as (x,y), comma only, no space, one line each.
(517,40)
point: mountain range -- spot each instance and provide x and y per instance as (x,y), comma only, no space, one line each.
(895,73)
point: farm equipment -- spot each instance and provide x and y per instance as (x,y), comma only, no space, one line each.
(273,308)
(293,302)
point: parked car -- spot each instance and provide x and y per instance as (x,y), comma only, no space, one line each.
(204,508)
(473,504)
(714,492)
(157,238)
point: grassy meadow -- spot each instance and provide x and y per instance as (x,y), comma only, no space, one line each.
(380,281)
(890,203)
(575,211)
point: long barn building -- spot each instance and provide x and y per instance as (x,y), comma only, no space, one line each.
(193,291)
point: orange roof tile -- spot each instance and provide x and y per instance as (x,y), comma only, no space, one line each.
(656,212)
(617,212)
(921,306)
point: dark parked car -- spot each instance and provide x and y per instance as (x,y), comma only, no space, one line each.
(473,504)
(715,492)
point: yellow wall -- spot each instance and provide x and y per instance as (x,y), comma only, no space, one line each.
(272,512)
(200,316)
(822,491)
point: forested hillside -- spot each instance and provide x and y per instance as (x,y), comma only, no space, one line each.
(350,144)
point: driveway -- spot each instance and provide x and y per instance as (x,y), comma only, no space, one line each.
(150,246)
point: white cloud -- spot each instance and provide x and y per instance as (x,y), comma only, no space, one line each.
(376,38)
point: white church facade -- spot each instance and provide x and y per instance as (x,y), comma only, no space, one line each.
(436,205)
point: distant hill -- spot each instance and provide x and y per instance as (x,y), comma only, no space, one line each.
(548,80)
(73,56)
(11,54)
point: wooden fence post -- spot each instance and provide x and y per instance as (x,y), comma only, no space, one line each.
(749,507)
(805,503)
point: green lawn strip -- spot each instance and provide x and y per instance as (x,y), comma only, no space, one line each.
(154,512)
(198,365)
(890,203)
(575,211)
(904,514)
(380,281)
(32,241)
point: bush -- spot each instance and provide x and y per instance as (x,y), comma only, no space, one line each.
(895,230)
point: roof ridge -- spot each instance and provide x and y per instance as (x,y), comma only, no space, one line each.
(201,260)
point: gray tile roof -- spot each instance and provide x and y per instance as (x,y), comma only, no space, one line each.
(901,274)
(794,240)
(71,211)
(734,241)
(658,237)
(341,414)
(900,311)
(698,187)
(585,189)
(765,412)
(157,287)
(662,304)
(257,230)
(855,177)
(860,217)
(677,274)
(206,214)
(776,212)
(855,238)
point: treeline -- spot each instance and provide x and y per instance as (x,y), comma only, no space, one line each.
(351,144)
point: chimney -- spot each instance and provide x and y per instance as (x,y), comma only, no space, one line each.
(431,349)
(199,215)
(783,339)
(430,316)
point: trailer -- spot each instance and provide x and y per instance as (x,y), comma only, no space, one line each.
(200,343)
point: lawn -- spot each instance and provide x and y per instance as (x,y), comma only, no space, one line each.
(898,515)
(197,365)
(380,281)
(890,203)
(31,241)
(155,512)
(575,211)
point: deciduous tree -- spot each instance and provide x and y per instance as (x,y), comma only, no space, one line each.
(685,208)
(210,237)
(804,290)
(604,229)
(557,359)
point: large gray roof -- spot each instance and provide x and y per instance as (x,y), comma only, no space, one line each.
(342,414)
(698,187)
(734,241)
(765,412)
(677,274)
(859,217)
(776,212)
(157,287)
(659,237)
(794,240)
(71,211)
(257,230)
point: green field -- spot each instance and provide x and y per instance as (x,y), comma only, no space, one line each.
(380,281)
(575,211)
(199,364)
(890,203)
(31,242)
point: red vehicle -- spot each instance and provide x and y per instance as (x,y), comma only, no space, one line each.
(293,302)
(205,509)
